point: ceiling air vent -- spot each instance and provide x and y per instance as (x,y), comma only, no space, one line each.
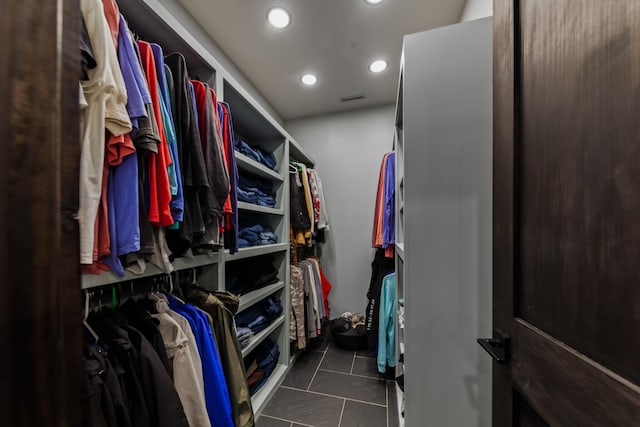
(352,98)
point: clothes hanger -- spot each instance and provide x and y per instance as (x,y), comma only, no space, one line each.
(170,283)
(174,295)
(86,316)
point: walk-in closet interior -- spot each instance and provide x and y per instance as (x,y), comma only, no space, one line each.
(336,213)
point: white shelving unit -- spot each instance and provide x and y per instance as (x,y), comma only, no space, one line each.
(166,22)
(245,164)
(107,277)
(257,129)
(398,142)
(255,251)
(253,297)
(244,206)
(262,335)
(262,396)
(443,230)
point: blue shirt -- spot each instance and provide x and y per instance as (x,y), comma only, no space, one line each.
(215,386)
(122,186)
(387,324)
(388,223)
(175,174)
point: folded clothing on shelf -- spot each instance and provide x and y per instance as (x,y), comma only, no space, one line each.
(247,275)
(256,191)
(244,336)
(261,363)
(253,235)
(256,153)
(259,316)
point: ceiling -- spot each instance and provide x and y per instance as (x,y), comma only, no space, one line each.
(334,39)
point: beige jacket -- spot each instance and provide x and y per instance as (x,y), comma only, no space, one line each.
(187,380)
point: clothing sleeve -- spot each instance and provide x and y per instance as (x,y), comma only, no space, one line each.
(386,330)
(96,89)
(388,237)
(323,222)
(378,212)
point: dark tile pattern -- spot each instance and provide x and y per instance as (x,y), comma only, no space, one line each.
(336,359)
(336,380)
(357,414)
(366,353)
(350,387)
(302,372)
(304,407)
(318,344)
(271,422)
(367,367)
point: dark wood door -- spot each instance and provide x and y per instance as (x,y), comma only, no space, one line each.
(567,212)
(40,299)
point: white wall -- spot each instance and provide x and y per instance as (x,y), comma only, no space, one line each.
(348,148)
(476,9)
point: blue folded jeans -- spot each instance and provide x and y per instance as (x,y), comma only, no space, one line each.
(247,196)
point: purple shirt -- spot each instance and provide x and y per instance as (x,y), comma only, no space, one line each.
(134,79)
(388,223)
(122,191)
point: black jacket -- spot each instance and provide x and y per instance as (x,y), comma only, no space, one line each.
(380,267)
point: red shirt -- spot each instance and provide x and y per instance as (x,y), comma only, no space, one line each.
(223,130)
(159,191)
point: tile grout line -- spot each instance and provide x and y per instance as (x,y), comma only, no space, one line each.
(386,387)
(354,375)
(317,368)
(353,362)
(331,395)
(344,402)
(285,420)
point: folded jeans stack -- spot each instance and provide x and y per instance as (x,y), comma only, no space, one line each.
(256,191)
(261,315)
(259,155)
(256,235)
(244,336)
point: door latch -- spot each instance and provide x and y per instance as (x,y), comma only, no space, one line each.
(497,347)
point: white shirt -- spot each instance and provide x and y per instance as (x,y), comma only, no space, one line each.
(106,98)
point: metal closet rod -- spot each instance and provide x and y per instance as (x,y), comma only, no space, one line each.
(116,292)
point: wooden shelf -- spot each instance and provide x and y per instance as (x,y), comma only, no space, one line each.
(251,298)
(249,165)
(108,277)
(260,209)
(262,335)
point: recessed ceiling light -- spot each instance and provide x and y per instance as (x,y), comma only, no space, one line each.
(309,79)
(373,1)
(378,66)
(278,17)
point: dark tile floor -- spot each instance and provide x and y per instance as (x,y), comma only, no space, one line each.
(331,387)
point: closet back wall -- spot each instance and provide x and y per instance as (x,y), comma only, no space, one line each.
(348,149)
